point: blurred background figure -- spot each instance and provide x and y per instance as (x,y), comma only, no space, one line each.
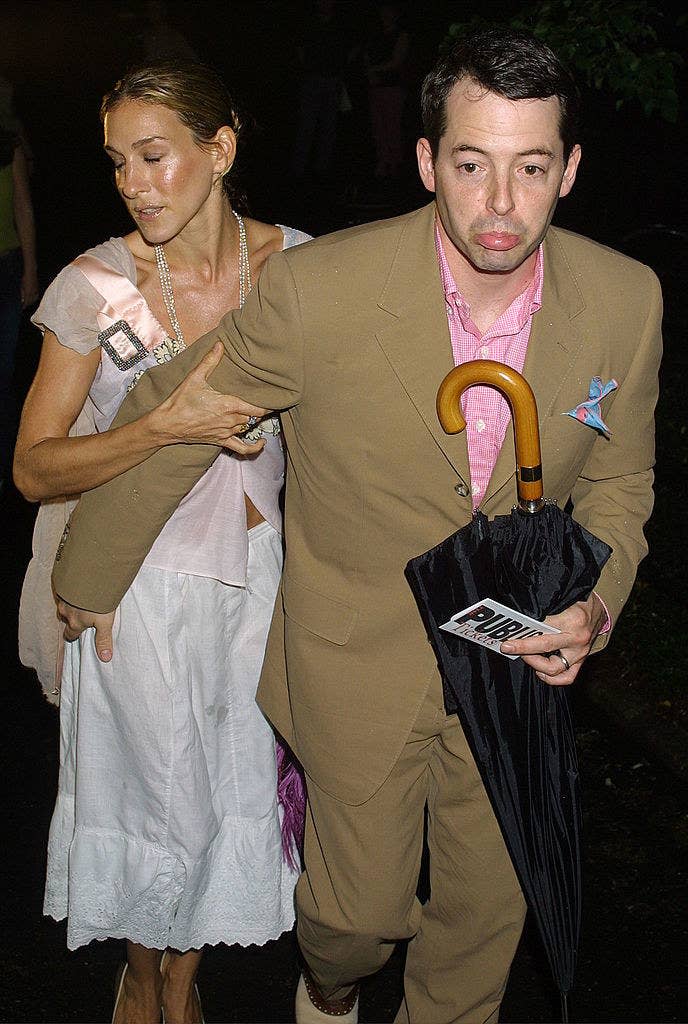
(322,94)
(161,38)
(10,120)
(18,271)
(152,32)
(387,57)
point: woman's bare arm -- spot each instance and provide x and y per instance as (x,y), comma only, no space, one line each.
(48,463)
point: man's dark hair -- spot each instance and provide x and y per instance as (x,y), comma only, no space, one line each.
(505,61)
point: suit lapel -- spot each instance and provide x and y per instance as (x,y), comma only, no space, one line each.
(554,343)
(417,342)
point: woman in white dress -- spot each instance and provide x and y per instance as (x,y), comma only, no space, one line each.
(166,830)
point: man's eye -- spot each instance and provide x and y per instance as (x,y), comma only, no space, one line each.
(532,170)
(152,159)
(469,167)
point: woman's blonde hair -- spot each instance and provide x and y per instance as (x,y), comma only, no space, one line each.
(196,94)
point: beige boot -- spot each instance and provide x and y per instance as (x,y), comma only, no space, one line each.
(311,1008)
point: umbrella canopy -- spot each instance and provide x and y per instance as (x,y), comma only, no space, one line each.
(538,561)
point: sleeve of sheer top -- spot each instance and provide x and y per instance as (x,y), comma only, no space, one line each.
(68,309)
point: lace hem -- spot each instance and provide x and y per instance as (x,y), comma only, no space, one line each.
(111,885)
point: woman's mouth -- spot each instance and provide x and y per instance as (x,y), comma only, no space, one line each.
(147,213)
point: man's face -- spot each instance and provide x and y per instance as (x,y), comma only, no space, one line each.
(498,174)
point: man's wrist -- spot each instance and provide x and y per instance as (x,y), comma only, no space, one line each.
(607,622)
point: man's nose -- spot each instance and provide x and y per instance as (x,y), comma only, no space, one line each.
(500,198)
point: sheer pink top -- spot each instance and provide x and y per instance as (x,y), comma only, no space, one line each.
(206,535)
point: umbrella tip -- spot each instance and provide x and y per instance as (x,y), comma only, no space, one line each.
(564,1007)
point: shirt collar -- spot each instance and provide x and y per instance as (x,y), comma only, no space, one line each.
(528,302)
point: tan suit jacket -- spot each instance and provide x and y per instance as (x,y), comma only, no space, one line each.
(348,337)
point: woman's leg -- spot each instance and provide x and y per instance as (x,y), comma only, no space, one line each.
(179,994)
(141,996)
(150,984)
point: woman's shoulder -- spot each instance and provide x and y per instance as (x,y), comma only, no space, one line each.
(268,238)
(293,236)
(116,254)
(70,303)
(113,253)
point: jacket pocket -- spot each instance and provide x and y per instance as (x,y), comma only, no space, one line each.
(319,614)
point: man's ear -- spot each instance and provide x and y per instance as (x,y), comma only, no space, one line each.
(570,172)
(426,164)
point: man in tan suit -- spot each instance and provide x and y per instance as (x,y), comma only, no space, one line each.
(349,338)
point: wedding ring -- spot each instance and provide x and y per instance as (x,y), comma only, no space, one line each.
(565,660)
(251,422)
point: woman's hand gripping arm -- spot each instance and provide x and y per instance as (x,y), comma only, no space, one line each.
(48,463)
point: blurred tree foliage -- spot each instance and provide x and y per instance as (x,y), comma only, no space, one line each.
(615,46)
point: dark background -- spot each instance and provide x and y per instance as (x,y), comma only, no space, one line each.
(630,705)
(62,57)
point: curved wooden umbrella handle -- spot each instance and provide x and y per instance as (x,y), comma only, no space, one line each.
(521,399)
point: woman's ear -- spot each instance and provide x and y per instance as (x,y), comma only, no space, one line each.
(224,145)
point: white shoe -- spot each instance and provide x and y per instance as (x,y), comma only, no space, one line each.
(307,1012)
(120,986)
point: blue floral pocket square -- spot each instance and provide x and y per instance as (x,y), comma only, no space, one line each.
(589,412)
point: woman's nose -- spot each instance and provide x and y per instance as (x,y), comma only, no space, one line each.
(132,182)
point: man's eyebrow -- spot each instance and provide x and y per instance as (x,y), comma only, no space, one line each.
(139,143)
(537,151)
(464,147)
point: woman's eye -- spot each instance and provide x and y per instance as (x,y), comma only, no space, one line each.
(152,159)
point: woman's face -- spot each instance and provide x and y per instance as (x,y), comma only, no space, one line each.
(164,178)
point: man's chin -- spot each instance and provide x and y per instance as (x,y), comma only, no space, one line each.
(498,262)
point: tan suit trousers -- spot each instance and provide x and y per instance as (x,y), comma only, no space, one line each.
(357,897)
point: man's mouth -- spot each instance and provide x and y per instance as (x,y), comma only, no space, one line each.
(498,240)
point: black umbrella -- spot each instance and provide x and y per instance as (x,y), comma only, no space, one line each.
(538,561)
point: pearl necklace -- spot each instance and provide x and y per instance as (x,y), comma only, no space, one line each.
(166,278)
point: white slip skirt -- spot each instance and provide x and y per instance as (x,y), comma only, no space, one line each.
(166,829)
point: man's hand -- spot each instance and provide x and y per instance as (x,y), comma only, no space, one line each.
(77,620)
(579,626)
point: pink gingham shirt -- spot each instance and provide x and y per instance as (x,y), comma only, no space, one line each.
(485,410)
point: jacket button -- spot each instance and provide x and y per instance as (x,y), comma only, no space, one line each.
(461,489)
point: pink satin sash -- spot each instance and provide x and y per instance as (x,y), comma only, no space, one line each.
(129,331)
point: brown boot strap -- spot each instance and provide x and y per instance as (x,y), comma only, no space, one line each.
(335,1007)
